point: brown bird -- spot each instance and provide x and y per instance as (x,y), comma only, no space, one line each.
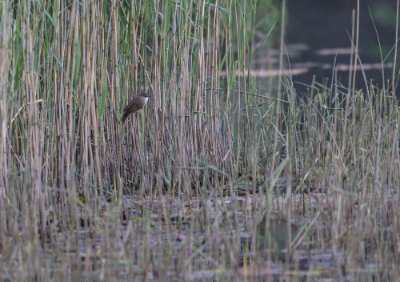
(135,105)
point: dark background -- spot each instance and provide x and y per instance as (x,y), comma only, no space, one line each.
(320,24)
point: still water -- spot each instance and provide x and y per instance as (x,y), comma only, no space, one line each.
(321,38)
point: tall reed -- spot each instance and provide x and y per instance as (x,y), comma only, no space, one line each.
(69,67)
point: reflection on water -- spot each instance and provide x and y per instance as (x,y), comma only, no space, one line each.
(324,31)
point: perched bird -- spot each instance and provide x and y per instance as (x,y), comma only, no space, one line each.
(135,105)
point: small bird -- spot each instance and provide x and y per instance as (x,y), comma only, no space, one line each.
(135,105)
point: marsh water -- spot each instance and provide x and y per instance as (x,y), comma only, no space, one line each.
(319,33)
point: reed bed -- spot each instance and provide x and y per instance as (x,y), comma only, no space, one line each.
(169,193)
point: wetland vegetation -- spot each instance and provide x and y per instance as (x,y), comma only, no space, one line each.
(217,178)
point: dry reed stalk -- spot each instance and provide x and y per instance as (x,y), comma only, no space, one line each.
(5,197)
